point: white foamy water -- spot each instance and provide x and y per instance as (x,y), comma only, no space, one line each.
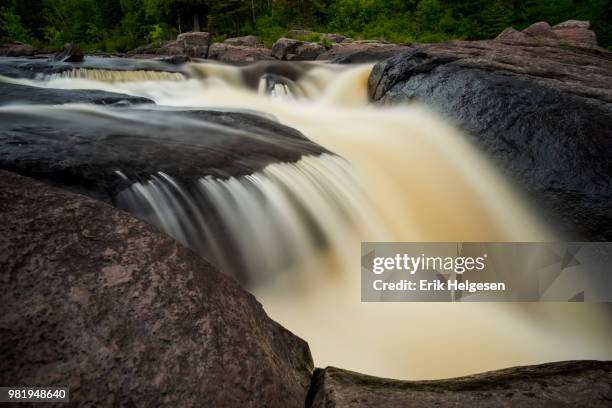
(405,176)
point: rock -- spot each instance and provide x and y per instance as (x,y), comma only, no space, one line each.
(563,384)
(88,147)
(70,53)
(247,41)
(195,44)
(238,53)
(540,30)
(21,94)
(283,47)
(96,299)
(543,114)
(306,52)
(576,33)
(511,34)
(16,49)
(572,32)
(361,51)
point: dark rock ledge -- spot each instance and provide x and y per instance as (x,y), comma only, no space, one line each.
(564,384)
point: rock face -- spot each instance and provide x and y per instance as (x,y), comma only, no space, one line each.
(361,51)
(70,53)
(21,94)
(543,113)
(296,50)
(572,32)
(16,49)
(247,41)
(565,384)
(194,44)
(228,52)
(97,300)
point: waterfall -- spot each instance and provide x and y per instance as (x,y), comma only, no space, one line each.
(107,75)
(257,225)
(399,174)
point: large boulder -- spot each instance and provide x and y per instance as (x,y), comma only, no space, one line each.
(246,41)
(227,52)
(96,300)
(195,44)
(296,50)
(543,113)
(576,32)
(70,53)
(564,384)
(16,49)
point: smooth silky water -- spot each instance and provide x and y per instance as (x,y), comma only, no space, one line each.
(403,175)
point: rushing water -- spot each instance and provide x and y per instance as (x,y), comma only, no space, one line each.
(403,174)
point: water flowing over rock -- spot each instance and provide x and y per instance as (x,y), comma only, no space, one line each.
(564,384)
(70,53)
(96,300)
(544,113)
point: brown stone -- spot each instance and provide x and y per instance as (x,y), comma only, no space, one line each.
(17,49)
(576,33)
(238,53)
(564,384)
(95,299)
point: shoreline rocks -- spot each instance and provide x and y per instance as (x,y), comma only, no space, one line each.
(99,301)
(563,384)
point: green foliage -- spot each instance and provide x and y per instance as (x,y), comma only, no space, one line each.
(120,25)
(11,28)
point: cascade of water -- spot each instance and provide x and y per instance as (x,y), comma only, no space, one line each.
(411,178)
(107,75)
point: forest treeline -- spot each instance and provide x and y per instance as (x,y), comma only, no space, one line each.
(120,25)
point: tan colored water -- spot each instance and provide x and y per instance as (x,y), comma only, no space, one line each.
(420,180)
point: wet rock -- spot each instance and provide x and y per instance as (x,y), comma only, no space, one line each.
(238,53)
(16,49)
(70,53)
(543,113)
(97,300)
(563,384)
(83,149)
(28,95)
